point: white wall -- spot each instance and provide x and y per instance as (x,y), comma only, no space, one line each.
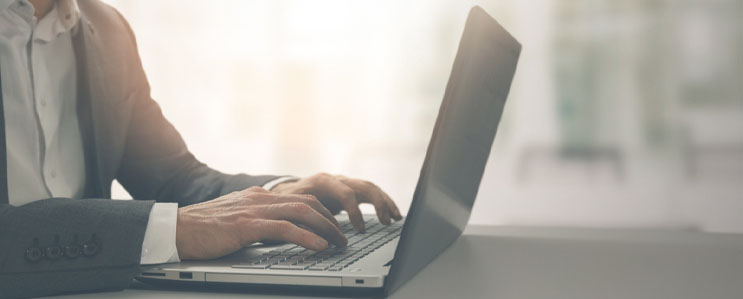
(353,87)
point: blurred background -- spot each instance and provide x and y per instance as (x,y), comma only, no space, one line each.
(622,113)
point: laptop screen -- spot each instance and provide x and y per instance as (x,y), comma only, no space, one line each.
(459,148)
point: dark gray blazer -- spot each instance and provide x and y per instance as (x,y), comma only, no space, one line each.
(65,245)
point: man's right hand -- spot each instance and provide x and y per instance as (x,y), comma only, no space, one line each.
(223,225)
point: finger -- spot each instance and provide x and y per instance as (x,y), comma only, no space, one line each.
(393,207)
(347,197)
(372,194)
(301,213)
(286,231)
(309,200)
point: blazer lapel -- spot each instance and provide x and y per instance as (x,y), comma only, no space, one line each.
(91,110)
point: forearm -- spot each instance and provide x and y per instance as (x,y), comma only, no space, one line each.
(156,163)
(183,180)
(107,234)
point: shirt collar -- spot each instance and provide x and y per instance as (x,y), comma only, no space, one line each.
(63,17)
(67,10)
(69,13)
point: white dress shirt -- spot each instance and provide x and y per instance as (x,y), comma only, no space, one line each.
(44,143)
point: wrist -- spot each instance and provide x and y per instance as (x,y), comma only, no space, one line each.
(182,235)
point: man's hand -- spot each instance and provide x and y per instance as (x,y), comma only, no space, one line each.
(341,193)
(221,226)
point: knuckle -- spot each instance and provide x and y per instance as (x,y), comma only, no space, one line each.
(266,196)
(323,176)
(310,199)
(246,226)
(246,222)
(299,207)
(348,193)
(368,184)
(283,227)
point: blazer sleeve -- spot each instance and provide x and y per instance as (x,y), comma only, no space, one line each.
(156,163)
(64,245)
(67,245)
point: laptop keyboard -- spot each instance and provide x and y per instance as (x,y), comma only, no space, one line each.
(293,257)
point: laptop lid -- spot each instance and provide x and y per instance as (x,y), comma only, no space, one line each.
(459,148)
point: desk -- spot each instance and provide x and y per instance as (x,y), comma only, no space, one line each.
(522,262)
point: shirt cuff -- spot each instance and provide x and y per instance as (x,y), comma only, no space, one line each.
(159,237)
(268,186)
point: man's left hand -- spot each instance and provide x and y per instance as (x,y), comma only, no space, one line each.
(338,193)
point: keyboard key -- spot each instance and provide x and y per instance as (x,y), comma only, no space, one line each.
(253,261)
(306,253)
(292,257)
(305,264)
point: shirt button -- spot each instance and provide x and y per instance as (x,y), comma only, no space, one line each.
(53,173)
(43,103)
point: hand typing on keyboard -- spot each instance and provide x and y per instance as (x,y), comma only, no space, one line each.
(221,226)
(299,212)
(291,257)
(337,192)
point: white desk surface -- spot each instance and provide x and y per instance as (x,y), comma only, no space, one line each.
(523,262)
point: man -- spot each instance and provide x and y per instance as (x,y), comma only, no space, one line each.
(77,114)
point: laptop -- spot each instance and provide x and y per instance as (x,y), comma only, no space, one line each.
(385,257)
